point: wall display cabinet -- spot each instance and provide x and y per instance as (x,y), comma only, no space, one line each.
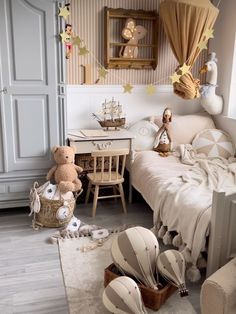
(130,39)
(32,99)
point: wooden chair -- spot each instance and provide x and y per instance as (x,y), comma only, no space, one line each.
(107,178)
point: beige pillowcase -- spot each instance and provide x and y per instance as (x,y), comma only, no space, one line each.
(145,134)
(214,143)
(183,129)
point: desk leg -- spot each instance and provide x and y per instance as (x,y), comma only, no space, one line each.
(130,170)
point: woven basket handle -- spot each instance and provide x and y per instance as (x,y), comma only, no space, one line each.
(36,185)
(77,194)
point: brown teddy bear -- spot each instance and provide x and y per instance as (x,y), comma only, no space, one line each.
(65,172)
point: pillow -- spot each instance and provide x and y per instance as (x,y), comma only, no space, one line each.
(184,128)
(145,134)
(213,143)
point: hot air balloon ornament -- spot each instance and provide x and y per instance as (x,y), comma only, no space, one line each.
(171,265)
(122,295)
(134,252)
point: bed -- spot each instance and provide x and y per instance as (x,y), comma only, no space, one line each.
(192,195)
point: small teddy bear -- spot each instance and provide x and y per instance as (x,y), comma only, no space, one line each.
(162,143)
(65,172)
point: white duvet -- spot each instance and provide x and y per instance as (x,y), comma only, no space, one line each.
(181,195)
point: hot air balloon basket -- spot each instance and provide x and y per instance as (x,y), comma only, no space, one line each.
(153,299)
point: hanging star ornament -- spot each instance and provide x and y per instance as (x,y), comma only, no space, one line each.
(102,72)
(64,12)
(76,41)
(151,89)
(202,45)
(127,88)
(64,37)
(209,33)
(185,68)
(175,78)
(83,51)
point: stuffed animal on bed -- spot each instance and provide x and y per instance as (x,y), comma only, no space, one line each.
(162,143)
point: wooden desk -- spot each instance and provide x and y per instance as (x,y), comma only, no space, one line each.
(115,140)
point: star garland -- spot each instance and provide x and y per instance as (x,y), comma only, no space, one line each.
(76,41)
(83,51)
(64,37)
(127,88)
(150,89)
(64,12)
(102,72)
(175,77)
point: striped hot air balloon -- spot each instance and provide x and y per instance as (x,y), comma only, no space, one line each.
(135,251)
(171,265)
(122,296)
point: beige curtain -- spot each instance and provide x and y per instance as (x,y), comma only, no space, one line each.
(185,22)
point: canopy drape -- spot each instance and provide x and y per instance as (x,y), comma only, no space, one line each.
(185,22)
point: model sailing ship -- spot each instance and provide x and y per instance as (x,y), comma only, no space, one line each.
(111,115)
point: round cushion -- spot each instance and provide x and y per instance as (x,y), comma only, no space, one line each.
(145,134)
(213,143)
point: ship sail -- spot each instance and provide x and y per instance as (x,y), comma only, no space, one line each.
(111,114)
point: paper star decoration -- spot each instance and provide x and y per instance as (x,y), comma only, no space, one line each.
(64,36)
(102,72)
(77,41)
(175,78)
(151,89)
(64,12)
(209,33)
(127,88)
(83,51)
(202,45)
(185,68)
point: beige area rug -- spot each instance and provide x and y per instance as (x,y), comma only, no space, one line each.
(83,274)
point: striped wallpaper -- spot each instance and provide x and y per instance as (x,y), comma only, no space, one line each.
(87,18)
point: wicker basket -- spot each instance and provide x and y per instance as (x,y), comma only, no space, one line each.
(153,299)
(47,217)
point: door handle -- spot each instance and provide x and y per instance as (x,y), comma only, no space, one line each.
(3,91)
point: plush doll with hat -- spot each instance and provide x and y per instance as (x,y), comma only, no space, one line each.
(65,172)
(162,143)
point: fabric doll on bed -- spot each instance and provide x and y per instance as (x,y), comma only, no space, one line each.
(162,143)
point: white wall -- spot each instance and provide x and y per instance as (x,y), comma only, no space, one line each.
(83,100)
(223,44)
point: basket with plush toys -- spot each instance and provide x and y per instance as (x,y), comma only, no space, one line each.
(52,205)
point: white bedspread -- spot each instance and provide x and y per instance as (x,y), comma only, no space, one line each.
(181,195)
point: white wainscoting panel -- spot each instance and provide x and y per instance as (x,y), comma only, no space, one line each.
(83,100)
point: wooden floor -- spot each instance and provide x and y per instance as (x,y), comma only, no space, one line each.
(30,276)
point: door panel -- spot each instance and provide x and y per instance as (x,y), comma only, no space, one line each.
(28,44)
(29,67)
(30,125)
(1,143)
